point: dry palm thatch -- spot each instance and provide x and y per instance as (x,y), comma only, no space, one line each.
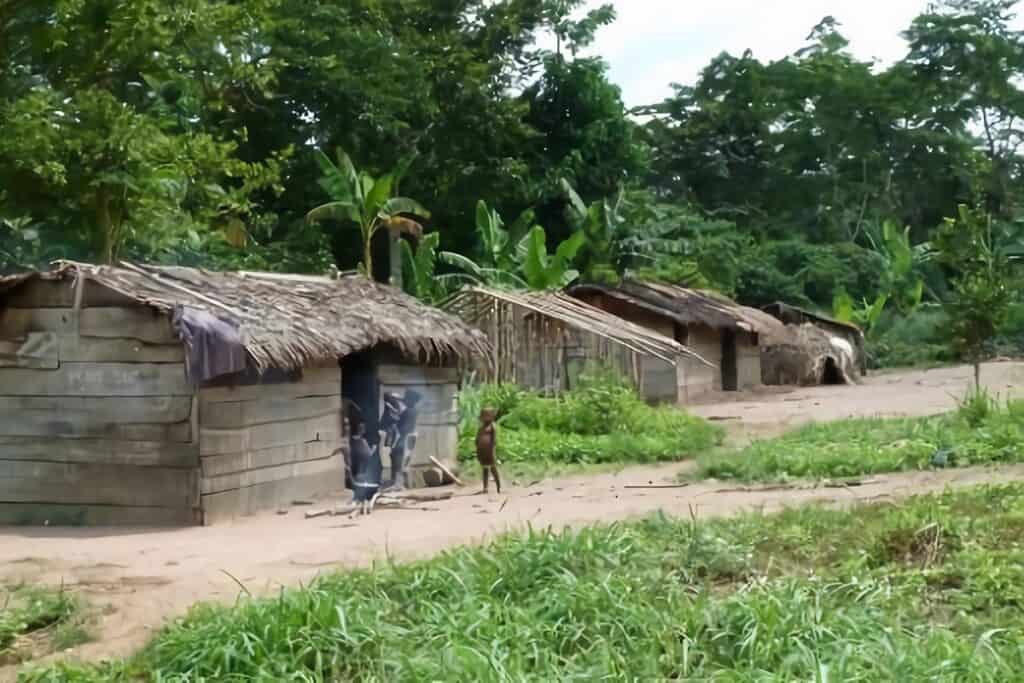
(688,306)
(287,321)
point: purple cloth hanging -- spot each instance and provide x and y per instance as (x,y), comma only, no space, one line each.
(215,347)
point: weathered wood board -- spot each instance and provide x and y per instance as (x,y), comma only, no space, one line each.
(224,441)
(58,514)
(144,324)
(218,465)
(267,496)
(330,467)
(100,452)
(315,382)
(46,350)
(98,379)
(36,350)
(235,414)
(147,418)
(29,481)
(61,294)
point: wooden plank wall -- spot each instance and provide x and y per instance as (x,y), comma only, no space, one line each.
(95,412)
(263,446)
(695,378)
(437,424)
(748,360)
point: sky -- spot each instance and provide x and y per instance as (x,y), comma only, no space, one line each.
(654,43)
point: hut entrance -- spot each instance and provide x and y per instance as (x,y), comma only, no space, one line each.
(730,374)
(359,385)
(831,374)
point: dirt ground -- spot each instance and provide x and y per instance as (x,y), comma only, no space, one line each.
(140,578)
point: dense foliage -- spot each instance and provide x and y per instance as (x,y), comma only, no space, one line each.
(196,134)
(929,590)
(600,421)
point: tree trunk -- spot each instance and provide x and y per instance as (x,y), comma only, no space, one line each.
(395,258)
(977,376)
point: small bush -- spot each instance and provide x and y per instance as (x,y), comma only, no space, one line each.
(601,421)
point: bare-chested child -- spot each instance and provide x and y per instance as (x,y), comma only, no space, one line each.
(487,446)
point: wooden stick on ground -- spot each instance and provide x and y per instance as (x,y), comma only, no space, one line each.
(446,470)
(655,486)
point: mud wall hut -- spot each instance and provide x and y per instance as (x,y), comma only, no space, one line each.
(719,330)
(164,396)
(544,340)
(795,317)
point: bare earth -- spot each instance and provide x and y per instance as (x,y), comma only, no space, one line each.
(142,577)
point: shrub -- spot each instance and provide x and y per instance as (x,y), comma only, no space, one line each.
(601,421)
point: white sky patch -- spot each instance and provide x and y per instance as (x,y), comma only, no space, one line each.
(654,43)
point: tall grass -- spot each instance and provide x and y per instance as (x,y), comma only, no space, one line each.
(601,421)
(980,432)
(928,591)
(35,619)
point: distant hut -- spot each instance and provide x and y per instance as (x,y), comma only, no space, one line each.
(544,340)
(148,395)
(822,352)
(718,329)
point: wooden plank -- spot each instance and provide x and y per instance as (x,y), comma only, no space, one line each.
(61,294)
(144,324)
(100,451)
(36,350)
(225,441)
(162,418)
(75,349)
(330,467)
(32,481)
(48,514)
(315,382)
(416,374)
(235,414)
(218,465)
(218,507)
(98,379)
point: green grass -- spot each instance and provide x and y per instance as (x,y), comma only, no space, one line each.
(930,590)
(980,433)
(601,422)
(34,619)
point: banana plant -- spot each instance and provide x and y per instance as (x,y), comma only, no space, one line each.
(865,316)
(359,198)
(500,247)
(544,271)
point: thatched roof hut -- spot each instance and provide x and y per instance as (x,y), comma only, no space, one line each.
(543,339)
(795,317)
(727,334)
(286,321)
(144,395)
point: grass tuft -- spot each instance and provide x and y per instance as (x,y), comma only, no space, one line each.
(931,590)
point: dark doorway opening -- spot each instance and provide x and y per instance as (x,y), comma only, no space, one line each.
(730,373)
(359,385)
(831,374)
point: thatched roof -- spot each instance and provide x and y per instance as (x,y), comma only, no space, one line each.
(794,315)
(687,306)
(286,321)
(470,304)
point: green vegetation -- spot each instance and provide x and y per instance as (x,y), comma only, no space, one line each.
(929,590)
(601,421)
(981,432)
(141,130)
(36,620)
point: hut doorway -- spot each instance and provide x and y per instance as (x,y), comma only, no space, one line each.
(730,373)
(359,384)
(830,374)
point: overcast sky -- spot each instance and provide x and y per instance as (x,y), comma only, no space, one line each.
(656,42)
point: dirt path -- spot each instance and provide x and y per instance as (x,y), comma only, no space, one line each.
(916,393)
(146,576)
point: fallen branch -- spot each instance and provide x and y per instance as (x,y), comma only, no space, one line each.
(425,497)
(446,471)
(656,486)
(317,513)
